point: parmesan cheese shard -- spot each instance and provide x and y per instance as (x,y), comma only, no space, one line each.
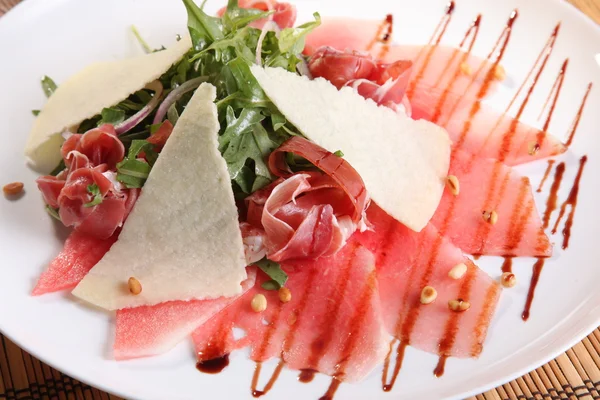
(86,93)
(403,163)
(182,239)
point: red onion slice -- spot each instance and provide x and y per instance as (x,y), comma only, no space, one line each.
(176,95)
(138,117)
(268,27)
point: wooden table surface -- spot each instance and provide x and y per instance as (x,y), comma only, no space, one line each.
(573,375)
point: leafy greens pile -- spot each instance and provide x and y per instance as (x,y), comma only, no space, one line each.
(223,50)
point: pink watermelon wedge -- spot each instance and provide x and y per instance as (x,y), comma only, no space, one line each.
(333,324)
(79,254)
(151,330)
(408,261)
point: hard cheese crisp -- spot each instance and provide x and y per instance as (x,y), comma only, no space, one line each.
(182,239)
(84,95)
(403,162)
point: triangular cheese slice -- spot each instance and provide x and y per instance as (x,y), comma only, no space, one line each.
(182,239)
(86,93)
(403,162)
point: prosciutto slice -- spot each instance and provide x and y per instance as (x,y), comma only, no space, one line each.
(383,83)
(151,330)
(437,66)
(408,261)
(487,185)
(79,254)
(333,324)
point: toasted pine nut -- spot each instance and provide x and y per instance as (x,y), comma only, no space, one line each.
(285,295)
(508,280)
(459,305)
(490,217)
(259,303)
(453,184)
(499,72)
(466,69)
(533,148)
(13,189)
(458,271)
(135,287)
(428,295)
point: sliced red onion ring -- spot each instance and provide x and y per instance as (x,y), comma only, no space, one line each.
(138,117)
(268,27)
(176,95)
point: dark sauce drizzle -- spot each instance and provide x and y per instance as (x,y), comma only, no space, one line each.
(307,375)
(575,123)
(546,174)
(537,271)
(572,202)
(213,366)
(553,196)
(398,365)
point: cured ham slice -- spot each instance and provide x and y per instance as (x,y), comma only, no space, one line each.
(79,254)
(437,66)
(150,330)
(333,324)
(481,130)
(488,185)
(408,261)
(383,83)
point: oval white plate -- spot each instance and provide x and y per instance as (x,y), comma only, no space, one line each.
(58,37)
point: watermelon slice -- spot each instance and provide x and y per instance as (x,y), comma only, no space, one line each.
(480,130)
(408,261)
(333,324)
(150,330)
(79,254)
(486,184)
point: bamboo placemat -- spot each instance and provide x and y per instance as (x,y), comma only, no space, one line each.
(575,374)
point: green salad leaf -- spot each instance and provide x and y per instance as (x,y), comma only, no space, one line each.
(273,271)
(223,51)
(48,86)
(94,190)
(112,116)
(53,212)
(293,39)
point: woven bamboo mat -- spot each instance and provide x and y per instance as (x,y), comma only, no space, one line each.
(573,375)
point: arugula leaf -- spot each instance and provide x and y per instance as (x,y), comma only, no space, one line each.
(48,86)
(278,120)
(59,168)
(94,190)
(138,146)
(133,173)
(53,212)
(293,39)
(111,116)
(339,153)
(203,28)
(237,126)
(273,271)
(35,112)
(236,17)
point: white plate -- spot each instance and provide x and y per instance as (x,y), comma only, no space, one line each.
(58,37)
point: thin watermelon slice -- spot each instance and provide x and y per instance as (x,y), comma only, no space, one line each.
(150,330)
(333,324)
(489,185)
(79,254)
(408,261)
(480,130)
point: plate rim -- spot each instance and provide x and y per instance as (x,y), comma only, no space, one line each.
(23,7)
